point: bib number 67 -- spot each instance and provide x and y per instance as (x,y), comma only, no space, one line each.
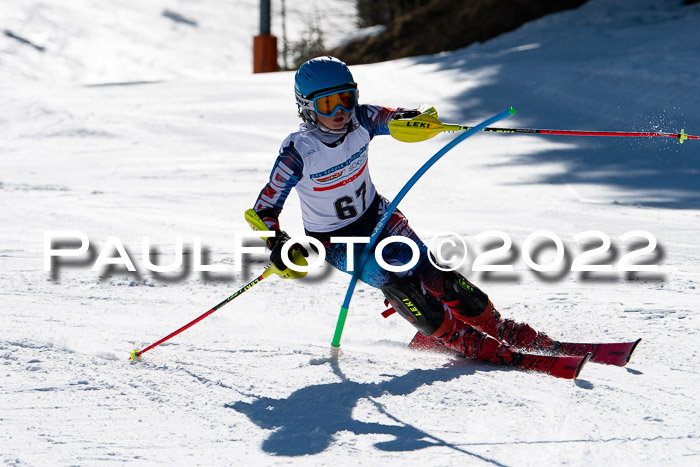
(345,205)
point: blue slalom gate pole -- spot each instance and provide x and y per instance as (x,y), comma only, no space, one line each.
(335,345)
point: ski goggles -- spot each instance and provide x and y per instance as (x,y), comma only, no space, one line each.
(330,104)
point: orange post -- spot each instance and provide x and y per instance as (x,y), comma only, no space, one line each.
(265,53)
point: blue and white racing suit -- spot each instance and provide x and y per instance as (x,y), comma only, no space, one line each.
(338,199)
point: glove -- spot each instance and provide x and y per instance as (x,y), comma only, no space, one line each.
(296,255)
(411,126)
(402,114)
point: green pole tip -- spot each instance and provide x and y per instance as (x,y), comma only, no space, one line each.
(512,111)
(682,137)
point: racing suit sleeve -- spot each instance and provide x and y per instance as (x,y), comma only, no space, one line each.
(285,174)
(376,118)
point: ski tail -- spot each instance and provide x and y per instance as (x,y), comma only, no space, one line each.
(429,344)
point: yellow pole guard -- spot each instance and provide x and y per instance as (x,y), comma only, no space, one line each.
(419,128)
(258,225)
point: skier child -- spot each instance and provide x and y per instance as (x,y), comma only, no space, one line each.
(326,161)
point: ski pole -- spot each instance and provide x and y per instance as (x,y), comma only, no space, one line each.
(335,344)
(427,125)
(136,353)
(682,136)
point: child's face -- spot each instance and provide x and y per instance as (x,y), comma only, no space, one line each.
(336,122)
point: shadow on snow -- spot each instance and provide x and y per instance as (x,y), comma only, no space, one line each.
(594,77)
(308,419)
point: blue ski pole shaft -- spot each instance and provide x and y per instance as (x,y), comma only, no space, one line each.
(335,344)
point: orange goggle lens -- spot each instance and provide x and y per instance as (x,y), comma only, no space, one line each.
(329,105)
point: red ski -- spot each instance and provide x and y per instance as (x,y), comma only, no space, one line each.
(607,353)
(617,354)
(429,343)
(567,367)
(560,366)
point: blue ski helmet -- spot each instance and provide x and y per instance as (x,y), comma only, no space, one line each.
(318,77)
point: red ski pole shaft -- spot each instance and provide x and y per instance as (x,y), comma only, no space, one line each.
(137,353)
(682,136)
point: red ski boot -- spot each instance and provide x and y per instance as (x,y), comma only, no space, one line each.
(456,336)
(471,343)
(523,336)
(469,304)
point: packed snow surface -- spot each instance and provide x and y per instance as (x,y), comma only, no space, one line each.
(140,122)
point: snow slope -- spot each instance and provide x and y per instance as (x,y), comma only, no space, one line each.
(183,145)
